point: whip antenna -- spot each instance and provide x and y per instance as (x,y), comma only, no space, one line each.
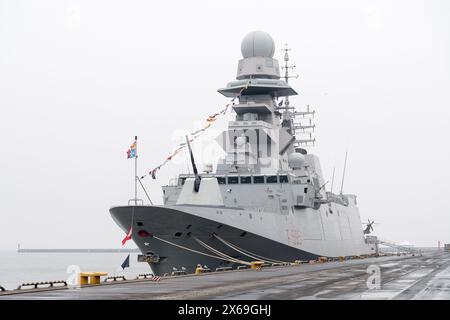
(332,179)
(343,173)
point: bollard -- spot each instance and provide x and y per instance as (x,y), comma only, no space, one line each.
(322,259)
(256,265)
(91,277)
(199,269)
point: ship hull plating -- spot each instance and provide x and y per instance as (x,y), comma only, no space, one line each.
(180,226)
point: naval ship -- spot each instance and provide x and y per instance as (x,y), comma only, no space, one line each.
(266,200)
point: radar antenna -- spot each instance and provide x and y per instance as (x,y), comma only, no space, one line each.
(304,128)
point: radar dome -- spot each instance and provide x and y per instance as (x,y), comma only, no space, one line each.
(257,44)
(296,160)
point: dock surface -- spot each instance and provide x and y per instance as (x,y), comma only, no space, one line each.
(402,277)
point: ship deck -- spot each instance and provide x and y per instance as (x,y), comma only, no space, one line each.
(402,277)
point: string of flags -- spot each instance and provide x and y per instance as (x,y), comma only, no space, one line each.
(132,153)
(194,135)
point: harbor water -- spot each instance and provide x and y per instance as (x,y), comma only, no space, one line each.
(17,268)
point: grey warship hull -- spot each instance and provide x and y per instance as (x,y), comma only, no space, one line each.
(170,234)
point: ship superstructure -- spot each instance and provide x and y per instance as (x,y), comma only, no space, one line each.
(265,200)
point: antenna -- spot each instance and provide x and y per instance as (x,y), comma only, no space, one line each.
(289,113)
(343,173)
(332,179)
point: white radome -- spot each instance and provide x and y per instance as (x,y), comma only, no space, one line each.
(257,44)
(296,160)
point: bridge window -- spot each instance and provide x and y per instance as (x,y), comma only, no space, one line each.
(284,179)
(272,179)
(221,180)
(233,180)
(258,179)
(246,179)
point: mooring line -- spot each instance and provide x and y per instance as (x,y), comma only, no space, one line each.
(220,253)
(247,253)
(195,251)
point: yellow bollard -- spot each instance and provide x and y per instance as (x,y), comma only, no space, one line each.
(199,269)
(84,278)
(95,277)
(322,259)
(256,265)
(91,277)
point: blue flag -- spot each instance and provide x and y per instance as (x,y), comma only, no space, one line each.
(126,263)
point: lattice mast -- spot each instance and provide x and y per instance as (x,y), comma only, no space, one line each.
(303,128)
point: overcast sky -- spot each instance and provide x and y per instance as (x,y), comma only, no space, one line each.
(78,79)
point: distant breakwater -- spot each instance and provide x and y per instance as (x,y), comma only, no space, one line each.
(21,250)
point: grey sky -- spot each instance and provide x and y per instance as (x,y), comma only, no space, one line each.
(78,79)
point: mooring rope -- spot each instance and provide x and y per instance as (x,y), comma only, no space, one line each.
(220,253)
(195,251)
(247,253)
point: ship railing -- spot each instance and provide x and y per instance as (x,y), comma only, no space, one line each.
(393,247)
(137,202)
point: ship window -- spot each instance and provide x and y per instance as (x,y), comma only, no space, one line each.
(258,179)
(178,234)
(182,181)
(221,180)
(189,226)
(284,179)
(233,180)
(246,179)
(140,224)
(243,234)
(272,179)
(305,190)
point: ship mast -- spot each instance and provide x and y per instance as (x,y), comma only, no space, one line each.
(304,128)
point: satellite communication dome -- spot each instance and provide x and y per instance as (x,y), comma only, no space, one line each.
(296,160)
(257,44)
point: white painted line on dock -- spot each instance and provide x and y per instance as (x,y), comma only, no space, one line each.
(438,288)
